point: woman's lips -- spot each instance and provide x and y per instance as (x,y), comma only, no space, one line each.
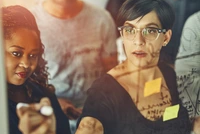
(22,74)
(140,54)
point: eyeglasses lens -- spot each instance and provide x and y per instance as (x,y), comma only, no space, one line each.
(148,33)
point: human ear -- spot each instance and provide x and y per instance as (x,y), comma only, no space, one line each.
(167,37)
(164,44)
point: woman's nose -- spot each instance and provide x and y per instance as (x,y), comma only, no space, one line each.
(24,62)
(139,39)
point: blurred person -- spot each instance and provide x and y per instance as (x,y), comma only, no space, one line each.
(80,42)
(187,66)
(98,3)
(26,71)
(112,6)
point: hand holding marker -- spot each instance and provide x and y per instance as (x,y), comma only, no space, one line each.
(37,118)
(45,110)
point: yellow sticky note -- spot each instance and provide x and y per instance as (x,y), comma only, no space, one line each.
(152,87)
(171,112)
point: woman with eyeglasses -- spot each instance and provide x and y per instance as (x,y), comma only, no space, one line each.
(139,96)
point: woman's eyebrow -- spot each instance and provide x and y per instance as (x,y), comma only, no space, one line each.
(152,24)
(129,24)
(17,46)
(149,24)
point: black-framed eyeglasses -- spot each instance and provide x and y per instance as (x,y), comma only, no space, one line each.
(149,33)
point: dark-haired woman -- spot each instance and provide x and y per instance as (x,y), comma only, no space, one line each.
(26,72)
(139,96)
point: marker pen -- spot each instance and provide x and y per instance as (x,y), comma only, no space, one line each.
(45,110)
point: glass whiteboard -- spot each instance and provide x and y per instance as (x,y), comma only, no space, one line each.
(3,93)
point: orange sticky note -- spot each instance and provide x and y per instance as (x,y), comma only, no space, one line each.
(171,112)
(152,87)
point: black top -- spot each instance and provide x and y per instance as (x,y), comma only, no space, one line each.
(109,102)
(62,122)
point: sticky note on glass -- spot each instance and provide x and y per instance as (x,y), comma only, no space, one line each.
(152,87)
(171,112)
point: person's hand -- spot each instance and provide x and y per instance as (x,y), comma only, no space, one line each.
(69,109)
(90,125)
(34,119)
(196,127)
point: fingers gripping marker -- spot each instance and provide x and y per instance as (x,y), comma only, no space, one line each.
(19,105)
(45,110)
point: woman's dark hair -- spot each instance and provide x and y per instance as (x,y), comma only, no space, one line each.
(132,9)
(14,17)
